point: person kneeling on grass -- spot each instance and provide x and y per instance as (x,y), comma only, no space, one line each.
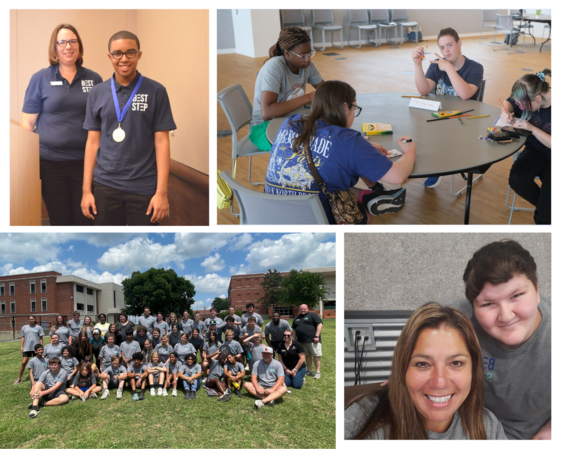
(341,155)
(137,375)
(84,384)
(234,373)
(156,374)
(267,380)
(49,389)
(114,377)
(191,374)
(215,377)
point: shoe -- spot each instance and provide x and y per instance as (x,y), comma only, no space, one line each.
(73,398)
(433,181)
(288,391)
(119,393)
(30,406)
(33,413)
(159,391)
(204,381)
(193,395)
(187,395)
(309,373)
(141,396)
(135,397)
(164,392)
(93,396)
(258,404)
(174,392)
(380,201)
(318,375)
(238,392)
(303,381)
(152,392)
(271,404)
(226,396)
(83,398)
(246,368)
(106,394)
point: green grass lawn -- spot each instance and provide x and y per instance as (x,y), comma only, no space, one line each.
(303,419)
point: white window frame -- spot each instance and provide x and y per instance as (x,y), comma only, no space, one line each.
(2,290)
(13,303)
(33,305)
(12,284)
(45,281)
(45,301)
(31,292)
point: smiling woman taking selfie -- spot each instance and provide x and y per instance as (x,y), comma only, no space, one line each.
(436,387)
(55,108)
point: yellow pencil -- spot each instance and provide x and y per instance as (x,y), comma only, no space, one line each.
(479,116)
(412,96)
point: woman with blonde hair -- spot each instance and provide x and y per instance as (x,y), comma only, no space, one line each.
(436,387)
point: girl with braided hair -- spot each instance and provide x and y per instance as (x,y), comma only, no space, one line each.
(530,103)
(281,84)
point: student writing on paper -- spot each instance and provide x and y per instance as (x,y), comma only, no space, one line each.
(449,74)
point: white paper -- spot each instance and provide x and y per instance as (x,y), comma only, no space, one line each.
(499,123)
(428,105)
(56,83)
(394,153)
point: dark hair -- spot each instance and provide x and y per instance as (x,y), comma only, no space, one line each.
(102,315)
(528,87)
(80,345)
(210,334)
(289,38)
(497,263)
(122,314)
(329,105)
(34,318)
(68,348)
(249,304)
(252,318)
(56,326)
(211,309)
(448,32)
(192,357)
(138,356)
(229,318)
(129,331)
(124,35)
(176,326)
(53,58)
(142,328)
(37,346)
(173,353)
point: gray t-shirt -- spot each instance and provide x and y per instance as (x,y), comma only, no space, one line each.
(50,380)
(186,326)
(199,325)
(277,331)
(258,318)
(31,335)
(68,364)
(216,370)
(151,365)
(63,333)
(267,373)
(190,371)
(39,366)
(234,346)
(235,369)
(148,322)
(112,371)
(138,371)
(518,381)
(129,349)
(249,331)
(256,355)
(164,352)
(211,348)
(218,321)
(183,350)
(52,350)
(276,77)
(163,326)
(105,354)
(74,327)
(173,367)
(357,414)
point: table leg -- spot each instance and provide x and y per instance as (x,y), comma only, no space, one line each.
(468,197)
(548,38)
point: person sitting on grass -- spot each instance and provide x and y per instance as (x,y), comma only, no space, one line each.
(54,348)
(137,375)
(255,347)
(451,74)
(292,357)
(114,377)
(108,351)
(37,365)
(215,379)
(156,374)
(49,390)
(172,367)
(235,347)
(191,374)
(234,373)
(69,364)
(31,335)
(267,380)
(84,385)
(183,348)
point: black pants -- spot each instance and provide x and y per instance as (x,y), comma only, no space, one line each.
(117,208)
(532,163)
(61,187)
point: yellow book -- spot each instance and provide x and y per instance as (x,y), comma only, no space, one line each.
(376,129)
(445,113)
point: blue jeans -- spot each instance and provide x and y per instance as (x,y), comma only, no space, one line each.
(192,387)
(296,381)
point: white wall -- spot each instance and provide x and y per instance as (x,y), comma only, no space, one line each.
(255,31)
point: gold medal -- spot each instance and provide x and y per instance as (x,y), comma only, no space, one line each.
(119,134)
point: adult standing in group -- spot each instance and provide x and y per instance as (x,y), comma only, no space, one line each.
(61,329)
(102,324)
(124,325)
(249,308)
(75,326)
(276,329)
(198,324)
(147,320)
(31,334)
(213,317)
(55,108)
(306,328)
(161,324)
(292,358)
(186,323)
(232,313)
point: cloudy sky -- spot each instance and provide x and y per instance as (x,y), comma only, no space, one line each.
(208,260)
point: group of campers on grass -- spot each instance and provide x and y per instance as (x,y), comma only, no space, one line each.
(83,360)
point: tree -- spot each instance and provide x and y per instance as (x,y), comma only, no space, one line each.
(220,304)
(302,287)
(272,284)
(159,289)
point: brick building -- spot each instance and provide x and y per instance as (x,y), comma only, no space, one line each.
(245,288)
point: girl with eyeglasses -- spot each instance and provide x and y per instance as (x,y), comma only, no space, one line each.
(55,108)
(281,84)
(529,108)
(341,155)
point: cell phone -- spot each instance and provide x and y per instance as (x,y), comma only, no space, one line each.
(515,132)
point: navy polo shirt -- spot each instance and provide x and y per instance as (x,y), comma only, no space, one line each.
(130,165)
(62,109)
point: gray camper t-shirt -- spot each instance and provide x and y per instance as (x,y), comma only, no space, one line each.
(518,381)
(267,373)
(31,336)
(276,77)
(277,331)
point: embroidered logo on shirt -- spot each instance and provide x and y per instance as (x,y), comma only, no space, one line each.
(87,85)
(140,103)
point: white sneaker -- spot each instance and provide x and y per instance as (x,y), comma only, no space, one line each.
(105,394)
(159,391)
(258,404)
(164,392)
(174,392)
(318,375)
(119,393)
(93,396)
(152,392)
(303,381)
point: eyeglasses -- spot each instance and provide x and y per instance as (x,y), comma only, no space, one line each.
(287,336)
(305,57)
(63,43)
(358,109)
(131,54)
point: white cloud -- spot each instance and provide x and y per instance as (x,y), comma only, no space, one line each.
(199,305)
(213,263)
(74,264)
(240,242)
(210,283)
(199,245)
(70,248)
(237,269)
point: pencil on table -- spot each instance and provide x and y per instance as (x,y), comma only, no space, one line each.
(479,116)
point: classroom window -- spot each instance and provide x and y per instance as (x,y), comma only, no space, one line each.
(114,299)
(32,287)
(79,306)
(12,306)
(90,308)
(79,289)
(284,311)
(12,289)
(2,290)
(90,291)
(43,304)
(43,286)
(3,307)
(33,305)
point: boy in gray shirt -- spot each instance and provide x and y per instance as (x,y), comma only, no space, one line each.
(513,326)
(267,380)
(129,347)
(137,374)
(50,388)
(37,365)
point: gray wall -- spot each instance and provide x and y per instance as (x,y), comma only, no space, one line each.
(225,29)
(386,271)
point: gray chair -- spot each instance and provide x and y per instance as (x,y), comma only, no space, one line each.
(401,18)
(322,19)
(381,17)
(505,23)
(512,206)
(359,19)
(295,17)
(489,20)
(524,27)
(238,110)
(265,209)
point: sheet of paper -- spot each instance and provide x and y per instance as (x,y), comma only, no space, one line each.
(427,105)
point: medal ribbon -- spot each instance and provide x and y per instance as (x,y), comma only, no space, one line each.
(121,115)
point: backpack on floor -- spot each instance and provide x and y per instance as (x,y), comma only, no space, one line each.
(514,38)
(411,34)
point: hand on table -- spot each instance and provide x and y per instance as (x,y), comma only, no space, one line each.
(380,148)
(443,64)
(407,146)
